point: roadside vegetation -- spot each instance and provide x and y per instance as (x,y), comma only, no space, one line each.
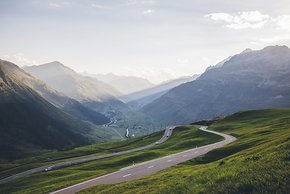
(11,167)
(183,138)
(257,162)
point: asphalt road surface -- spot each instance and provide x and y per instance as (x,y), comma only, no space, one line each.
(149,167)
(166,136)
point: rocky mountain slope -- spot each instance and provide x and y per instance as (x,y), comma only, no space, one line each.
(249,80)
(144,97)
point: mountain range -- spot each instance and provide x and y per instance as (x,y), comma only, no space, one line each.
(125,84)
(30,123)
(87,90)
(54,107)
(249,80)
(144,97)
(61,101)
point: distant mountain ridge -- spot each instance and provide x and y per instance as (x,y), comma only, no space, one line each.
(29,123)
(249,80)
(125,84)
(87,90)
(72,84)
(61,101)
(144,97)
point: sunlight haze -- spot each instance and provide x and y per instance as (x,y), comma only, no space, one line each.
(153,39)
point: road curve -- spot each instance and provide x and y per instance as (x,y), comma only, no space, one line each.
(166,136)
(149,167)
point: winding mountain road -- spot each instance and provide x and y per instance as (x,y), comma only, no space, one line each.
(166,136)
(149,167)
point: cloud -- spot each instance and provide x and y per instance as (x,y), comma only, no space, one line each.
(206,59)
(59,4)
(182,60)
(19,59)
(99,6)
(254,43)
(140,2)
(254,16)
(283,22)
(148,12)
(54,5)
(220,17)
(241,20)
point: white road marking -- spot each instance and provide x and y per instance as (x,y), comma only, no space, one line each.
(150,166)
(126,175)
(169,160)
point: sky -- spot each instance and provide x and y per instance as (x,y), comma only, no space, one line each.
(153,39)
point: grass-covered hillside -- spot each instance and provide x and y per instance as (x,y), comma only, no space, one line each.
(8,168)
(183,138)
(257,162)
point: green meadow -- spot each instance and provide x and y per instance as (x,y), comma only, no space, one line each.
(12,167)
(183,138)
(257,162)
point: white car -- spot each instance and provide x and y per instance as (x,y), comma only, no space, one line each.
(48,169)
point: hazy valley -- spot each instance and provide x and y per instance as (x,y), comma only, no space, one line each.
(144,96)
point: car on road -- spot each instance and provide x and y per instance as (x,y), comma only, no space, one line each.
(48,169)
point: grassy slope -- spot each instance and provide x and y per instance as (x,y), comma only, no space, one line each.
(183,138)
(11,167)
(258,162)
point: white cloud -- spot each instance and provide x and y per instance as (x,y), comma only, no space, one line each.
(206,59)
(59,4)
(220,16)
(254,43)
(182,60)
(148,12)
(245,25)
(140,2)
(19,59)
(241,20)
(55,5)
(283,22)
(99,6)
(254,16)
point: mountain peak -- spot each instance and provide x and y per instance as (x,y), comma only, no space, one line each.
(55,66)
(56,63)
(247,50)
